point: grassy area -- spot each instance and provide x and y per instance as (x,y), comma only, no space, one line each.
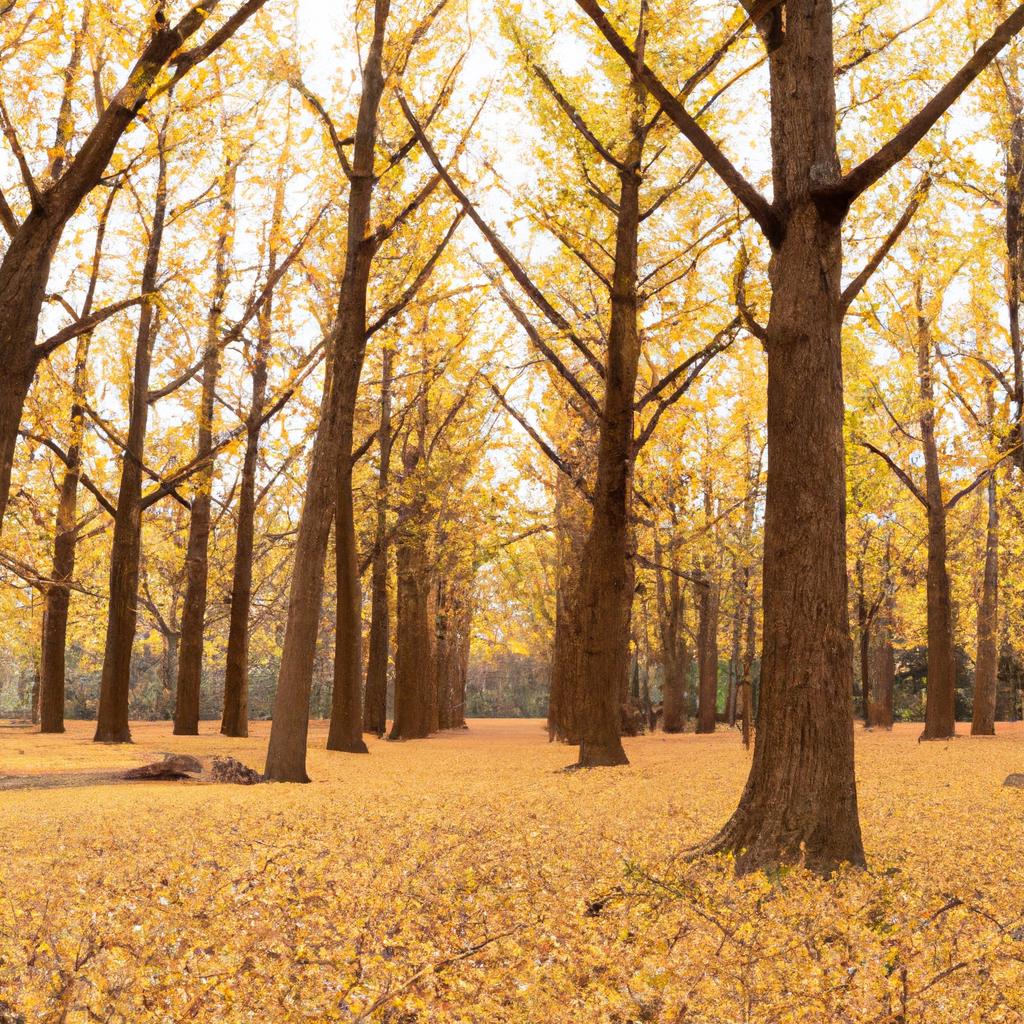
(466,878)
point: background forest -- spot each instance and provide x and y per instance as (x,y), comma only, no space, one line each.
(474,413)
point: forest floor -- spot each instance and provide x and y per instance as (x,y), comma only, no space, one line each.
(466,878)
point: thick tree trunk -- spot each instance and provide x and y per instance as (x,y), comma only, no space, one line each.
(707,655)
(800,801)
(940,706)
(983,722)
(115,681)
(413,668)
(375,704)
(329,478)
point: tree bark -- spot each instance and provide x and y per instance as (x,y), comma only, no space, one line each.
(563,699)
(940,705)
(707,654)
(329,481)
(115,681)
(983,721)
(675,655)
(65,541)
(606,591)
(800,801)
(197,562)
(375,705)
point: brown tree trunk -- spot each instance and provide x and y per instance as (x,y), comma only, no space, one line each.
(330,478)
(800,801)
(735,666)
(606,591)
(115,681)
(413,668)
(746,681)
(986,669)
(235,718)
(707,654)
(58,594)
(864,642)
(940,706)
(563,699)
(375,704)
(197,562)
(675,655)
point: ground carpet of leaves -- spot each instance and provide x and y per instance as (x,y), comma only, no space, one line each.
(465,878)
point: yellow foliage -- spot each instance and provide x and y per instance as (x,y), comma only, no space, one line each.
(465,878)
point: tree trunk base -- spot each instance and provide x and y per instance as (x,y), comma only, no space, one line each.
(769,843)
(51,729)
(112,736)
(937,734)
(185,730)
(350,747)
(236,734)
(609,756)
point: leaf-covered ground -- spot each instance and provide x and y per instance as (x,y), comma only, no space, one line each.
(465,878)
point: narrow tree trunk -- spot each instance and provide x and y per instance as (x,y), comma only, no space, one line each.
(65,540)
(197,561)
(863,639)
(330,474)
(675,655)
(983,722)
(735,668)
(707,655)
(376,701)
(746,683)
(563,699)
(115,681)
(940,706)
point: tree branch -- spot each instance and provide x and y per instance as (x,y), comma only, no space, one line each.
(756,204)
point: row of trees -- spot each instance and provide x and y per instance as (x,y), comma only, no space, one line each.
(299,317)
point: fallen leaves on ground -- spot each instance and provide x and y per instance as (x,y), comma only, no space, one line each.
(466,878)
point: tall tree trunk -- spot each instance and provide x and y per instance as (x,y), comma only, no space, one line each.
(413,668)
(235,717)
(746,682)
(675,655)
(65,540)
(375,705)
(707,654)
(115,681)
(800,801)
(735,667)
(329,481)
(563,699)
(864,642)
(606,591)
(983,722)
(197,561)
(940,706)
